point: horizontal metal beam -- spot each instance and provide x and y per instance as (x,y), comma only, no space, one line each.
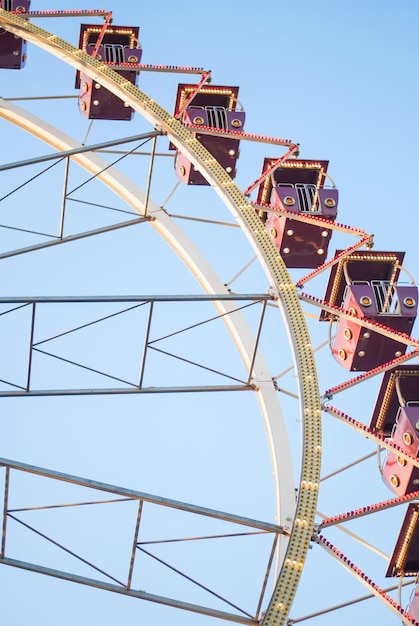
(57,241)
(258,297)
(140,495)
(79,150)
(122,391)
(143,595)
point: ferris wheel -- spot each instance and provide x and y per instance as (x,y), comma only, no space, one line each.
(153,312)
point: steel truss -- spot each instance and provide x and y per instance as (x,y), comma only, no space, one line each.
(102,494)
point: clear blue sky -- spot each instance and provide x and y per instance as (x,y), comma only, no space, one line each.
(341,80)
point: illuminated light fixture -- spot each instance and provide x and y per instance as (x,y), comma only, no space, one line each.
(398,353)
(325,233)
(365,301)
(96,103)
(352,311)
(273,233)
(289,200)
(229,169)
(133,59)
(407,438)
(329,202)
(401,461)
(320,251)
(366,335)
(342,355)
(361,353)
(83,105)
(236,123)
(290,232)
(232,152)
(371,257)
(403,555)
(394,480)
(347,334)
(182,170)
(109,30)
(302,164)
(198,120)
(286,250)
(188,90)
(409,301)
(85,87)
(97,86)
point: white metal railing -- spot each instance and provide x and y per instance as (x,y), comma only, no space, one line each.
(114,53)
(217,117)
(385,294)
(386,297)
(308,197)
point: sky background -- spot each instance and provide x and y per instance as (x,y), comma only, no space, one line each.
(338,78)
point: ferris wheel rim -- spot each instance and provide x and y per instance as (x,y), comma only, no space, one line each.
(276,271)
(205,276)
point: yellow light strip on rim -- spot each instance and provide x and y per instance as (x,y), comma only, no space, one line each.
(301,533)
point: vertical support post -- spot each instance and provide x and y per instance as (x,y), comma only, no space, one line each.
(255,347)
(32,331)
(6,498)
(266,578)
(134,544)
(63,199)
(147,335)
(150,173)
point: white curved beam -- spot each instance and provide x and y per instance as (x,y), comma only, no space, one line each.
(274,268)
(205,276)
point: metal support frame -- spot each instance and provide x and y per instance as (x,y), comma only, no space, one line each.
(120,494)
(39,303)
(80,150)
